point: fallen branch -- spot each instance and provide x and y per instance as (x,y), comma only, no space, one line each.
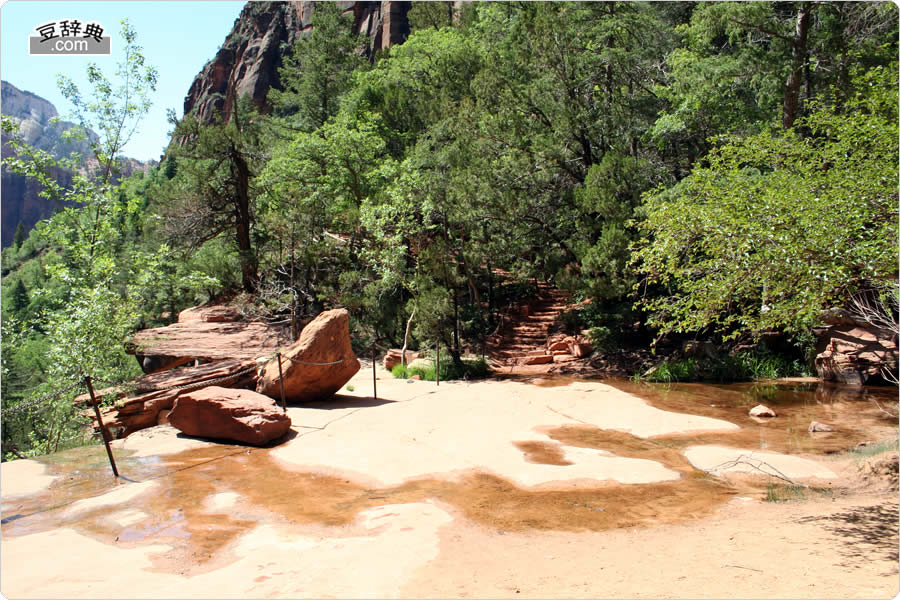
(758,465)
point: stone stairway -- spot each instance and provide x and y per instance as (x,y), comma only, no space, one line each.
(522,340)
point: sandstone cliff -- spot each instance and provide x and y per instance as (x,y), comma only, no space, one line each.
(248,61)
(21,202)
(39,128)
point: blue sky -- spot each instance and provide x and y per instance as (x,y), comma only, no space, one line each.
(178,37)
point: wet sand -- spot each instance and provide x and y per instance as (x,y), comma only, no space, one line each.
(491,489)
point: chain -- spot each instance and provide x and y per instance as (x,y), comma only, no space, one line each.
(45,398)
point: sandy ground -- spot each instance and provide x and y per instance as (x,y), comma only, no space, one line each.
(491,489)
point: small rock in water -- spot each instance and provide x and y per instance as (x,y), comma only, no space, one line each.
(816,426)
(760,410)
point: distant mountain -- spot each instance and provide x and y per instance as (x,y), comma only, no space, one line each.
(19,196)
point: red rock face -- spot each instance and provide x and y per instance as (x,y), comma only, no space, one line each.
(855,354)
(238,415)
(306,364)
(162,348)
(248,60)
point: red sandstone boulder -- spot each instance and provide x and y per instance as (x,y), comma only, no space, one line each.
(163,348)
(228,414)
(393,358)
(541,359)
(143,405)
(315,366)
(855,354)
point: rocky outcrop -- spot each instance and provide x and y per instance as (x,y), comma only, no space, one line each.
(394,356)
(151,398)
(856,354)
(228,414)
(178,344)
(317,365)
(216,313)
(249,59)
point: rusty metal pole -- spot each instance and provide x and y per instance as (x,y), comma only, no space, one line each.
(281,383)
(103,433)
(374,376)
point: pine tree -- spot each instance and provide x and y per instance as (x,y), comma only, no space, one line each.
(20,236)
(18,298)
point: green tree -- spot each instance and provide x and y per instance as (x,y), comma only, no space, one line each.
(170,167)
(779,226)
(19,236)
(318,71)
(743,66)
(214,190)
(92,284)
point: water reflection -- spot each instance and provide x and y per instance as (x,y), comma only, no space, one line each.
(854,412)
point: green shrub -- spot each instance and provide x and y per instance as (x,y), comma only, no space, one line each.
(684,369)
(743,366)
(469,369)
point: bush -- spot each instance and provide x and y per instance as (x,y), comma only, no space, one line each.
(743,366)
(469,369)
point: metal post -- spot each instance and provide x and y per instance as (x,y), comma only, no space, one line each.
(374,378)
(103,433)
(437,371)
(281,383)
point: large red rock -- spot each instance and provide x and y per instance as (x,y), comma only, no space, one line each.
(856,354)
(181,343)
(144,404)
(228,414)
(317,365)
(393,357)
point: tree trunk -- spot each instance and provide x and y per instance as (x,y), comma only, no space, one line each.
(242,222)
(406,336)
(794,82)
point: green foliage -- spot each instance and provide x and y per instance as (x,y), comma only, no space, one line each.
(749,365)
(113,109)
(450,370)
(862,452)
(318,72)
(87,278)
(503,143)
(19,236)
(170,167)
(778,227)
(437,14)
(214,190)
